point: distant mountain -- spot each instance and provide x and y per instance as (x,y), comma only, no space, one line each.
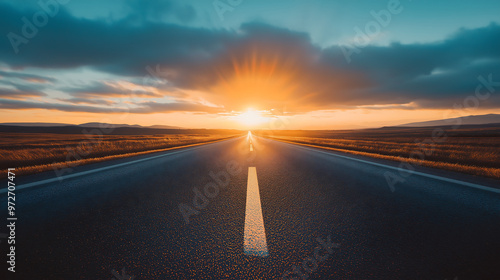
(91,124)
(39,124)
(468,120)
(98,124)
(164,127)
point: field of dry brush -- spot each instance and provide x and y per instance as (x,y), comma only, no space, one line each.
(37,152)
(469,150)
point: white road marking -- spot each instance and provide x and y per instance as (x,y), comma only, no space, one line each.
(472,185)
(57,179)
(251,147)
(254,243)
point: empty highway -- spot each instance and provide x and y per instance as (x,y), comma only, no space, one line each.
(254,208)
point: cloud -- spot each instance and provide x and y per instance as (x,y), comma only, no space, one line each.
(140,108)
(119,47)
(259,65)
(87,101)
(112,89)
(18,94)
(26,77)
(156,10)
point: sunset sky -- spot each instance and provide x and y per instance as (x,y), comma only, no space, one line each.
(245,64)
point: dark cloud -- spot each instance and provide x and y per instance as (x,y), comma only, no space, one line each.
(446,71)
(26,77)
(140,108)
(18,94)
(286,67)
(119,47)
(22,86)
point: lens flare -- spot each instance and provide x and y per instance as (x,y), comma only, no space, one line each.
(251,118)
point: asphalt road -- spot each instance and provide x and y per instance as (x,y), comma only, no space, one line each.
(308,214)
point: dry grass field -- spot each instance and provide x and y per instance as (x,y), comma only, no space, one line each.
(472,150)
(37,152)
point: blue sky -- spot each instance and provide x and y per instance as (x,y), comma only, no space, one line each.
(95,57)
(327,21)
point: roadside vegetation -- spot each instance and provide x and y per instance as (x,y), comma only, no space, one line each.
(38,152)
(474,151)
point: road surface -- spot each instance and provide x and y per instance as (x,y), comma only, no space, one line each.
(253,208)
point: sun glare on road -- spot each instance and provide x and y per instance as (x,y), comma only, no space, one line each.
(251,118)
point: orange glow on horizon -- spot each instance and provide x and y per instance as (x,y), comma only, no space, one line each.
(259,79)
(251,118)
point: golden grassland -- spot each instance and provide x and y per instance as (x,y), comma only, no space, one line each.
(37,152)
(472,151)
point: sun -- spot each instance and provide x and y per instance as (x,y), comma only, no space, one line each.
(251,118)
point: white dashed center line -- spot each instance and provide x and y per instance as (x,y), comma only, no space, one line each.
(254,243)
